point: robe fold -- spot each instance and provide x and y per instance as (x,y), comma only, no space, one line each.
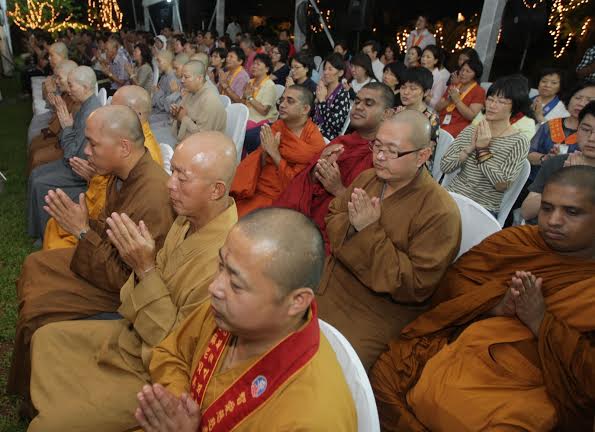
(452,370)
(86,374)
(73,283)
(56,237)
(310,198)
(257,184)
(379,279)
(314,398)
(204,112)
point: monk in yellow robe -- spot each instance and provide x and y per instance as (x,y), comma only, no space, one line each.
(139,100)
(86,374)
(510,344)
(254,358)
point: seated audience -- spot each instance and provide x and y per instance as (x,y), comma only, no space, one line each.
(59,174)
(179,41)
(390,54)
(462,100)
(201,108)
(280,66)
(302,66)
(247,45)
(260,325)
(165,86)
(392,233)
(584,155)
(413,57)
(432,59)
(141,73)
(416,83)
(420,37)
(332,100)
(508,345)
(372,49)
(362,72)
(392,76)
(331,172)
(217,65)
(233,81)
(115,65)
(74,283)
(111,357)
(490,156)
(286,148)
(547,105)
(342,48)
(260,95)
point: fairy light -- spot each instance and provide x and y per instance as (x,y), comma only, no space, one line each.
(467,39)
(585,27)
(439,35)
(401,40)
(534,5)
(559,15)
(104,14)
(41,15)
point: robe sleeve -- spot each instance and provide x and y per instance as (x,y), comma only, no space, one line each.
(337,219)
(288,171)
(67,138)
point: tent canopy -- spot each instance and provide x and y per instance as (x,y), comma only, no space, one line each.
(176,22)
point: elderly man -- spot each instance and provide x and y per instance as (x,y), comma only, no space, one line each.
(333,170)
(115,67)
(111,358)
(253,358)
(59,174)
(138,99)
(392,233)
(286,148)
(72,283)
(201,108)
(509,344)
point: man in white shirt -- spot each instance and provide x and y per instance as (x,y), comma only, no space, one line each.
(421,37)
(233,29)
(372,48)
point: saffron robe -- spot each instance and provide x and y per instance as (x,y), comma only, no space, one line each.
(73,283)
(309,197)
(382,277)
(56,237)
(499,375)
(204,112)
(86,374)
(257,184)
(315,398)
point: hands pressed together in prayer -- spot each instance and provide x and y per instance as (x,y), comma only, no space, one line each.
(72,217)
(270,143)
(454,94)
(289,81)
(363,210)
(174,86)
(82,167)
(161,411)
(327,170)
(321,91)
(64,117)
(482,135)
(134,243)
(178,112)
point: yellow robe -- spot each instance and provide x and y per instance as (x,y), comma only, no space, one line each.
(85,374)
(55,237)
(316,398)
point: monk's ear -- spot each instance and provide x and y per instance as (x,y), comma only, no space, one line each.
(423,155)
(125,147)
(300,300)
(218,191)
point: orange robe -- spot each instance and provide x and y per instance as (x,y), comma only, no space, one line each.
(452,370)
(55,237)
(257,184)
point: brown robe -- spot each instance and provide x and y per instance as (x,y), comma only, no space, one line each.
(380,279)
(74,283)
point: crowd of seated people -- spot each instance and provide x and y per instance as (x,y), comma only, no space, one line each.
(190,299)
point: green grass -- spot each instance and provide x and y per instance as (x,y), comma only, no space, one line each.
(15,245)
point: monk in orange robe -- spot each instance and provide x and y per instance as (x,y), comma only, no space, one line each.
(286,148)
(506,350)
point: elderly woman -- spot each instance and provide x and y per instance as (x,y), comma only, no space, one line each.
(547,105)
(141,74)
(332,100)
(260,95)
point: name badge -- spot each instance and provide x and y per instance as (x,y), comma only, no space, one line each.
(447,119)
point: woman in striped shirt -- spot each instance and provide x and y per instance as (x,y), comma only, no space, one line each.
(490,155)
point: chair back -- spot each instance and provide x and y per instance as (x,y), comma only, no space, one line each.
(155,74)
(237,119)
(347,121)
(225,100)
(102,96)
(445,139)
(317,62)
(280,89)
(485,85)
(476,222)
(356,377)
(533,92)
(513,192)
(167,153)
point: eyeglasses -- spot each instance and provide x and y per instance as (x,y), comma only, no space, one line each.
(500,102)
(389,153)
(586,130)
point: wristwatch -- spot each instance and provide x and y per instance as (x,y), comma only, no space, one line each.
(83,234)
(249,99)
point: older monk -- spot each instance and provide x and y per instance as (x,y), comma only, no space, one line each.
(86,374)
(72,283)
(393,234)
(509,345)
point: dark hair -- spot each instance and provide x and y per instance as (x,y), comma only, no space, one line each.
(515,88)
(145,53)
(226,40)
(239,53)
(181,38)
(418,75)
(550,71)
(577,88)
(397,69)
(343,44)
(588,109)
(336,61)
(363,61)
(283,49)
(394,48)
(305,60)
(214,34)
(417,49)
(386,94)
(221,51)
(476,66)
(266,60)
(375,45)
(470,53)
(437,53)
(307,97)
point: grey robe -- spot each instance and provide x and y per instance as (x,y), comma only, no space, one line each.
(160,97)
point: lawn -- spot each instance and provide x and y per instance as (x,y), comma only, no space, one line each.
(14,243)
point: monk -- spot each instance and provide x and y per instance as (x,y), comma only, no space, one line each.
(393,234)
(342,160)
(253,358)
(166,78)
(139,100)
(509,346)
(73,283)
(86,374)
(286,148)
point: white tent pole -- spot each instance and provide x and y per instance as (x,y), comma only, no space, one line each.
(134,14)
(487,33)
(220,17)
(299,36)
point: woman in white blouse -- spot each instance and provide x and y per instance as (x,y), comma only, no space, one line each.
(432,59)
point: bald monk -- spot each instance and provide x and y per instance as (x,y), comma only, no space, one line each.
(59,174)
(201,108)
(286,149)
(393,234)
(167,76)
(72,283)
(342,160)
(253,358)
(86,374)
(139,100)
(510,344)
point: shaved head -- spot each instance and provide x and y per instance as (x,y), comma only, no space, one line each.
(181,59)
(201,57)
(134,97)
(581,177)
(196,68)
(294,246)
(66,67)
(122,122)
(166,55)
(60,48)
(419,127)
(84,76)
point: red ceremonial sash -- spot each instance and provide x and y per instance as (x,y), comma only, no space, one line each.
(259,382)
(417,40)
(557,132)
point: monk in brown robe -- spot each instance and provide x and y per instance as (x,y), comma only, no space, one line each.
(85,374)
(510,345)
(73,283)
(286,148)
(393,234)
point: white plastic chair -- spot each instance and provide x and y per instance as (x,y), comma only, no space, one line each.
(533,92)
(225,100)
(445,139)
(237,119)
(476,222)
(96,89)
(166,153)
(280,89)
(513,192)
(109,101)
(317,62)
(486,85)
(356,377)
(155,74)
(347,121)
(102,96)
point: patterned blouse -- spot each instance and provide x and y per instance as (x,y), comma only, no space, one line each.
(330,115)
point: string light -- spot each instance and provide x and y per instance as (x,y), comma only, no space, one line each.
(439,34)
(104,14)
(534,5)
(401,40)
(41,15)
(467,39)
(558,16)
(585,27)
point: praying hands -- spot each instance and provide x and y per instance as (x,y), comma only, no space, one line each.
(329,176)
(482,136)
(64,117)
(82,167)
(270,143)
(528,300)
(161,411)
(363,210)
(72,217)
